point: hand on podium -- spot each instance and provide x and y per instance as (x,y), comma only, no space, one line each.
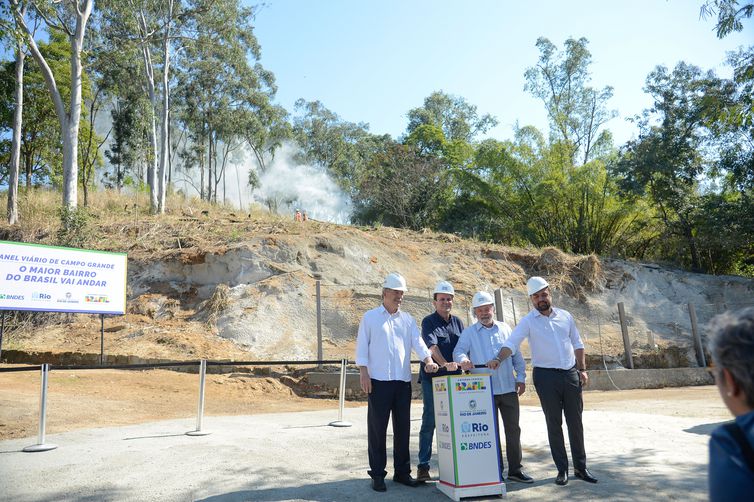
(450,366)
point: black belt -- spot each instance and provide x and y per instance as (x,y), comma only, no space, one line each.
(554,369)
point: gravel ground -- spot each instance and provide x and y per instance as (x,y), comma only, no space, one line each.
(637,452)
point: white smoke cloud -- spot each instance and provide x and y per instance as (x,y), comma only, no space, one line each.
(286,186)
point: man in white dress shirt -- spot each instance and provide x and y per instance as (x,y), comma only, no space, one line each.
(383,355)
(480,344)
(559,361)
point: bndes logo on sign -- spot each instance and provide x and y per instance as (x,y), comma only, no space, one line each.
(3,296)
(479,445)
(444,445)
(474,427)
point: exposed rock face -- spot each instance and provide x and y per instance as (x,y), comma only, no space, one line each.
(271,295)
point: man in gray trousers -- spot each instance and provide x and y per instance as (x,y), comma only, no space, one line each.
(559,374)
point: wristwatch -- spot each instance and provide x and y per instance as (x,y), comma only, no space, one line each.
(581,370)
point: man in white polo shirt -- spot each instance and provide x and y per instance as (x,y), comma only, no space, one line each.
(559,362)
(383,355)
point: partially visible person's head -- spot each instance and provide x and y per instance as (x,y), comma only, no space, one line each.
(731,344)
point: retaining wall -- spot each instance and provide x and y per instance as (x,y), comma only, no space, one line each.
(598,379)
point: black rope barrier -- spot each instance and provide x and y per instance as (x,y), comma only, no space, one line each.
(126,366)
(20,368)
(271,363)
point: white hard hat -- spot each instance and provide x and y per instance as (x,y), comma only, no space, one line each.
(482,298)
(394,280)
(535,284)
(444,287)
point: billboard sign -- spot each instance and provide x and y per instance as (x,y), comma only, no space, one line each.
(57,279)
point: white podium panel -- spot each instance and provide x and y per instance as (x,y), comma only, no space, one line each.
(468,442)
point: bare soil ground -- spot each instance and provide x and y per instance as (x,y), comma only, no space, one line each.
(100,398)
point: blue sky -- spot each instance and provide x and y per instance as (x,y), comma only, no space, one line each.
(372,61)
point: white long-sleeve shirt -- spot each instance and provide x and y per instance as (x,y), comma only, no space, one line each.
(384,344)
(552,339)
(480,345)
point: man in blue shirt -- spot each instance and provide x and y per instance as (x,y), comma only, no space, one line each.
(480,344)
(440,331)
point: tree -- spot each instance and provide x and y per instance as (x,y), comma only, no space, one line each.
(453,115)
(576,111)
(342,148)
(227,101)
(729,15)
(15,154)
(667,160)
(70,17)
(398,188)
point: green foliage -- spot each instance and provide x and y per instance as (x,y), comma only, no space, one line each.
(729,15)
(576,111)
(453,115)
(402,187)
(74,227)
(342,148)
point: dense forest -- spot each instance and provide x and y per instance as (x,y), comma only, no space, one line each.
(181,84)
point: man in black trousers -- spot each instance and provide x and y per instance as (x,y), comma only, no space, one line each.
(383,355)
(557,355)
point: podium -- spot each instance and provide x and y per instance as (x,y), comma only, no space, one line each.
(468,440)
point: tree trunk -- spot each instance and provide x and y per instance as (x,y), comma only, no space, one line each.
(149,73)
(69,120)
(164,123)
(15,158)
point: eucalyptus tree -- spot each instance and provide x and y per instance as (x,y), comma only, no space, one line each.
(8,32)
(340,147)
(69,17)
(226,94)
(576,111)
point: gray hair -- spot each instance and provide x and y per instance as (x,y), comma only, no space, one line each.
(731,343)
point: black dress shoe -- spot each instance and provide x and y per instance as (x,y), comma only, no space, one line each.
(585,475)
(406,479)
(562,478)
(378,484)
(521,477)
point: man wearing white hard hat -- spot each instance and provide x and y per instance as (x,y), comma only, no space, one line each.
(383,355)
(480,344)
(559,374)
(440,332)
